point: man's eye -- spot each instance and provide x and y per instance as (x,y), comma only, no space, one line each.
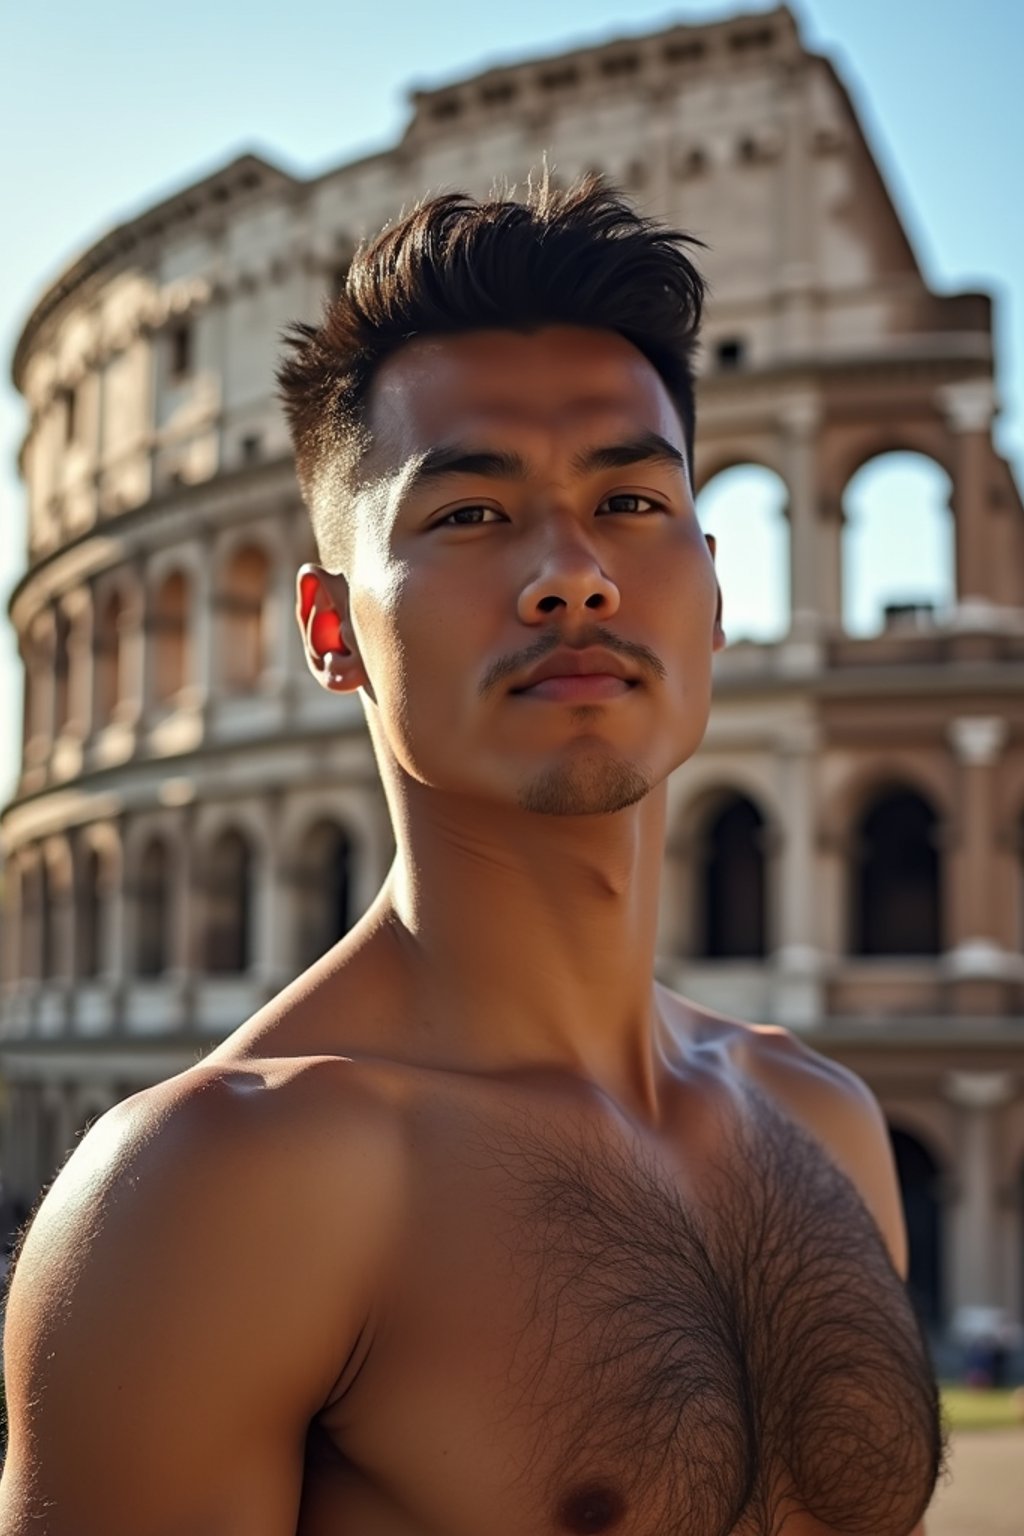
(465,514)
(630,496)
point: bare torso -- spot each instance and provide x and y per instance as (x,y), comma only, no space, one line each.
(582,1325)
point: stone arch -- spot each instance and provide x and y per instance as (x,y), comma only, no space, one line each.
(732,881)
(172,658)
(323,881)
(847,793)
(243,609)
(118,605)
(229,909)
(90,937)
(744,505)
(694,865)
(57,896)
(851,450)
(153,905)
(921,1177)
(895,874)
(109,654)
(754,451)
(898,543)
(98,876)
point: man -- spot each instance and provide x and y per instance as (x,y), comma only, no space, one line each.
(477,1228)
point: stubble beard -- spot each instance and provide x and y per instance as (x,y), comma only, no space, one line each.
(593,786)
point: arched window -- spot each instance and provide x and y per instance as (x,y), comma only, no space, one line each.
(228,935)
(323,891)
(243,609)
(898,556)
(744,507)
(731,882)
(109,657)
(921,1188)
(91,915)
(153,910)
(172,661)
(896,907)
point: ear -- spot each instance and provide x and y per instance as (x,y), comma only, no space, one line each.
(322,613)
(718,642)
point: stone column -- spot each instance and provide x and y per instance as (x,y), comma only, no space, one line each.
(798,999)
(979,966)
(40,648)
(969,408)
(800,421)
(974,1227)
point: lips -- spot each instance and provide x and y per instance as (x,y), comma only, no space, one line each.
(566,663)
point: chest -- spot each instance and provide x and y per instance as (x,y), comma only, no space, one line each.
(587,1338)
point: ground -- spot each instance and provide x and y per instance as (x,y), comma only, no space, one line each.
(984,1493)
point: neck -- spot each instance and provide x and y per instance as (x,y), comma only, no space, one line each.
(528,940)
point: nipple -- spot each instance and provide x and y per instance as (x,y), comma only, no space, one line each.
(593,1507)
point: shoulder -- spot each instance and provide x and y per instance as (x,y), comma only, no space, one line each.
(288,1159)
(190,1217)
(292,1121)
(840,1110)
(822,1096)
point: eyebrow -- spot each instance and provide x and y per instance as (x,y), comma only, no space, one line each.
(504,464)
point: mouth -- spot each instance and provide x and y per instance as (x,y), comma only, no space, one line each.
(580,688)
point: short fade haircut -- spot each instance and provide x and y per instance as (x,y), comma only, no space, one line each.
(580,256)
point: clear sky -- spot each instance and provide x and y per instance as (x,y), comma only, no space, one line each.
(106,107)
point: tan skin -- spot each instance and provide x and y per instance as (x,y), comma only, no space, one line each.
(300,1270)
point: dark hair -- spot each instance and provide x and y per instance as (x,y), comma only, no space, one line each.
(582,256)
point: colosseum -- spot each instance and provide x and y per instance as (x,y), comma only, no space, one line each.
(195,821)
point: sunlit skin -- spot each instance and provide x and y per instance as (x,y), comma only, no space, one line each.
(540,928)
(430,1244)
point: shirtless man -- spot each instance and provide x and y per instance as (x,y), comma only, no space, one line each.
(477,1229)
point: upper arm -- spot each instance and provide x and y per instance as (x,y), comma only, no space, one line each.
(167,1339)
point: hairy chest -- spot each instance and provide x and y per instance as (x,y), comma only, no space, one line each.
(591,1340)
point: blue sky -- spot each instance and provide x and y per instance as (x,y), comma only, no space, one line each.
(106,107)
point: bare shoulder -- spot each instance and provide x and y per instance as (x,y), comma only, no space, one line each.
(277,1167)
(826,1099)
(222,1234)
(840,1110)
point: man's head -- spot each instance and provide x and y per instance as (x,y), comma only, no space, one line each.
(531,362)
(582,257)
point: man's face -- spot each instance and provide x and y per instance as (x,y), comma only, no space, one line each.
(464,576)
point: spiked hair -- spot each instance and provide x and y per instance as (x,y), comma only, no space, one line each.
(580,256)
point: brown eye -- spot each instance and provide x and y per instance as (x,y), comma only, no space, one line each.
(630,496)
(463,512)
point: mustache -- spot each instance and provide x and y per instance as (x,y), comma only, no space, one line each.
(640,655)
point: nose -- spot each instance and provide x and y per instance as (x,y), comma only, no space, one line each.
(570,579)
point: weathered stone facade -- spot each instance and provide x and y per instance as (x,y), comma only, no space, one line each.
(847,848)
